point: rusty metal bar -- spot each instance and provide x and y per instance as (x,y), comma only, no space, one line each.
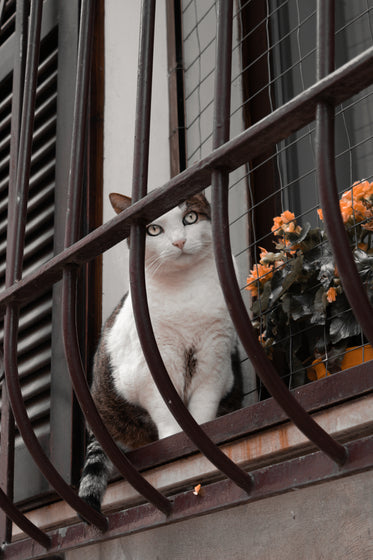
(7,461)
(137,272)
(220,219)
(325,157)
(14,273)
(23,523)
(119,459)
(255,351)
(26,430)
(70,335)
(338,86)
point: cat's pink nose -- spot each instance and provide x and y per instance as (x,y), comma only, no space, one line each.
(180,243)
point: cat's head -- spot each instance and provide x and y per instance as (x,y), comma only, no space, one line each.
(179,238)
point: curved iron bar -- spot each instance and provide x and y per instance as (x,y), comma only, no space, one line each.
(14,273)
(159,372)
(25,427)
(220,221)
(70,335)
(325,158)
(137,272)
(22,522)
(81,388)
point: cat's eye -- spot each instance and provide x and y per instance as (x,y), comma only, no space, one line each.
(154,230)
(190,218)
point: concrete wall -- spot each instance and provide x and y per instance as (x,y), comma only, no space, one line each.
(331,521)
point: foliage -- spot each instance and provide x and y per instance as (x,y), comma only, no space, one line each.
(299,306)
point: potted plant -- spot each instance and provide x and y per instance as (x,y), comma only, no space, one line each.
(299,307)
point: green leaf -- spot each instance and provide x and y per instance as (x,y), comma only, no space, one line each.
(319,308)
(343,326)
(293,272)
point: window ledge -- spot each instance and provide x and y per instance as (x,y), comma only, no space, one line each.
(346,422)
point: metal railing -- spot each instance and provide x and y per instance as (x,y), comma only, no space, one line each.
(316,102)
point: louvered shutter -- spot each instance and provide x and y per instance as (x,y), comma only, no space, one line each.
(44,380)
(34,346)
(7,21)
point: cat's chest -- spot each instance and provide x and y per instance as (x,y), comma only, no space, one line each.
(187,306)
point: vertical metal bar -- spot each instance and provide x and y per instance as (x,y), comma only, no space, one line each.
(71,343)
(14,273)
(137,273)
(143,102)
(7,460)
(230,287)
(7,419)
(325,157)
(176,94)
(15,246)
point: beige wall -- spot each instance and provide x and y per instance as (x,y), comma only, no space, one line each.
(332,521)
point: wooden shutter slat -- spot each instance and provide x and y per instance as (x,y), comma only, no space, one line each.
(6,141)
(35,338)
(8,25)
(35,361)
(33,386)
(28,316)
(37,199)
(42,153)
(5,105)
(46,129)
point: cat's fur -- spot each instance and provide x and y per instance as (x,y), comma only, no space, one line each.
(194,334)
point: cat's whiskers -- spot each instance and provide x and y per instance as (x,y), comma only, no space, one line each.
(154,264)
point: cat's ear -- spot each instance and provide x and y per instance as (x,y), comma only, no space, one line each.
(199,204)
(119,202)
(199,199)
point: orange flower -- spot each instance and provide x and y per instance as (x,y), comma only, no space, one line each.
(285,222)
(259,275)
(355,203)
(331,295)
(263,253)
(287,216)
(197,489)
(261,338)
(359,190)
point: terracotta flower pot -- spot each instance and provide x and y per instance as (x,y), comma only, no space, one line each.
(353,357)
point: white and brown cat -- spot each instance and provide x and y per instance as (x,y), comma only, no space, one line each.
(194,333)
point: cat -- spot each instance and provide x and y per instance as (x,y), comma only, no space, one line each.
(194,333)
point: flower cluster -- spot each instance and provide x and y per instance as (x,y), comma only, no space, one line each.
(285,224)
(356,205)
(296,289)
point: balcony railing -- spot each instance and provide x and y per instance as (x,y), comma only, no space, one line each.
(314,104)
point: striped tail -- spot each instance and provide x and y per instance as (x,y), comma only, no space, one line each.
(95,474)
